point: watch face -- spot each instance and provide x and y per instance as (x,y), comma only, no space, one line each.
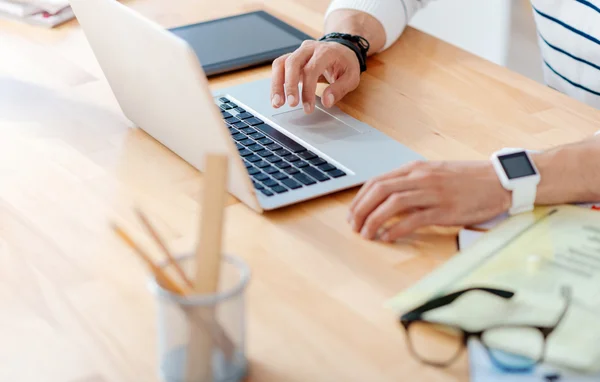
(516,165)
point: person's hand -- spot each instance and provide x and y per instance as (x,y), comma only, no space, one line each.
(428,193)
(314,61)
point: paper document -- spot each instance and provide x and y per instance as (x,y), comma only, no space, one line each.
(532,255)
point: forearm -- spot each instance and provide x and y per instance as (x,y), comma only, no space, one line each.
(357,23)
(570,173)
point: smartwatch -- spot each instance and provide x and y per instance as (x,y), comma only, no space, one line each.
(518,174)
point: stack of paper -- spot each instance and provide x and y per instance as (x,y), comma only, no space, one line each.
(48,13)
(533,255)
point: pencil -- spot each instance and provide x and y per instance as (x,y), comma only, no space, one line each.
(163,247)
(158,273)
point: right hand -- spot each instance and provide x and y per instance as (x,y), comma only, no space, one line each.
(314,61)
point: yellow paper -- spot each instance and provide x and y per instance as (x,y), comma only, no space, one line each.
(533,255)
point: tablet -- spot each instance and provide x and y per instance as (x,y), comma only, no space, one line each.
(240,41)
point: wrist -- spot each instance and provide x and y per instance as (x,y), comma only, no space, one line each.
(563,176)
(500,195)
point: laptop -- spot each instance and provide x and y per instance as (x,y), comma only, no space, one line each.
(277,157)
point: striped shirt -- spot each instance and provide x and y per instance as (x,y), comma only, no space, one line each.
(568,33)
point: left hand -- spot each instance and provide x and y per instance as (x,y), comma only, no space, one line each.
(428,193)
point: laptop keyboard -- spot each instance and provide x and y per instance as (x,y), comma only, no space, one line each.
(276,163)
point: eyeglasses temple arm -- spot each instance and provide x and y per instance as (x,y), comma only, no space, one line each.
(448,299)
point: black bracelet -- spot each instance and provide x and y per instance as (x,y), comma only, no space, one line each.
(358,44)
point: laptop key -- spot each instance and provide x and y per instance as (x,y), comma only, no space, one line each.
(282,152)
(256,135)
(247,164)
(302,178)
(239,110)
(258,186)
(267,192)
(317,161)
(279,175)
(244,115)
(270,183)
(225,107)
(265,141)
(283,164)
(224,100)
(301,164)
(270,169)
(247,130)
(245,152)
(232,105)
(238,146)
(274,146)
(279,189)
(247,141)
(337,173)
(261,164)
(253,121)
(274,159)
(255,147)
(238,136)
(291,183)
(240,124)
(318,175)
(292,158)
(232,120)
(280,137)
(307,155)
(291,170)
(252,158)
(260,176)
(225,114)
(326,167)
(264,153)
(253,171)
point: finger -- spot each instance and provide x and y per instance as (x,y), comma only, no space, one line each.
(277,81)
(377,195)
(294,66)
(412,222)
(394,205)
(342,86)
(402,171)
(313,69)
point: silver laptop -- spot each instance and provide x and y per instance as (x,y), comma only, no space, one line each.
(277,156)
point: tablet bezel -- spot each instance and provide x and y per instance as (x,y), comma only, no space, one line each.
(251,60)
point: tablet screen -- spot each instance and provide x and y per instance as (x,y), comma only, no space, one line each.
(238,38)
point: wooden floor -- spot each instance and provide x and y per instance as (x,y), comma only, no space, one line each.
(75,307)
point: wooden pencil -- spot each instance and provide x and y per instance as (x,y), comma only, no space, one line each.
(161,277)
(172,261)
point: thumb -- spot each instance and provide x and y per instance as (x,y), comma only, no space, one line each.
(342,86)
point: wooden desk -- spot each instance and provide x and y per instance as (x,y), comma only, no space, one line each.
(74,303)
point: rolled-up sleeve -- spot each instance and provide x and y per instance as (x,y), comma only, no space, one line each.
(394,15)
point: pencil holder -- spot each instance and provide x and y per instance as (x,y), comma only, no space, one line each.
(201,338)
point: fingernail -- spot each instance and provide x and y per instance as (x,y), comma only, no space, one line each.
(353,225)
(349,217)
(276,100)
(291,100)
(307,108)
(385,237)
(330,100)
(364,233)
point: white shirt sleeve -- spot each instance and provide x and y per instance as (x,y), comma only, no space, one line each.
(394,15)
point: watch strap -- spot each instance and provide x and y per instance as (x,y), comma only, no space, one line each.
(523,199)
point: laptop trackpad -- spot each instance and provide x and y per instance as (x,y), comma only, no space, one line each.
(318,127)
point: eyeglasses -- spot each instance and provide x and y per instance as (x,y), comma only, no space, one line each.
(439,344)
